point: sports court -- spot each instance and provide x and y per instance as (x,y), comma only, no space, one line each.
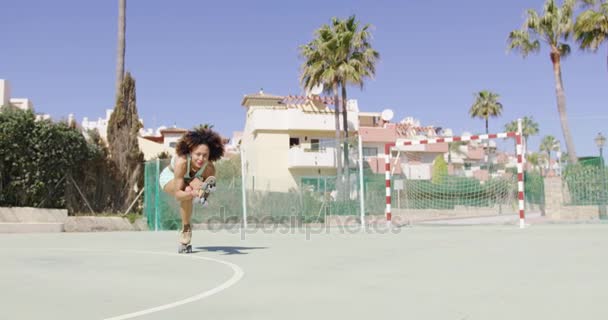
(420,272)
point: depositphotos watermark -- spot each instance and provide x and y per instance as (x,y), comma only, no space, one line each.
(295,224)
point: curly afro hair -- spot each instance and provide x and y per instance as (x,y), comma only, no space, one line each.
(199,136)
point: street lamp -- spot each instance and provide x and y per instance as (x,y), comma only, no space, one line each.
(600,140)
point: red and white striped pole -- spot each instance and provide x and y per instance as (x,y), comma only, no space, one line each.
(520,175)
(387,175)
(519,151)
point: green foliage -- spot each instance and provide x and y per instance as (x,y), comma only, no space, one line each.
(440,169)
(96,178)
(123,129)
(228,171)
(591,27)
(163,155)
(486,105)
(529,127)
(534,188)
(587,182)
(36,158)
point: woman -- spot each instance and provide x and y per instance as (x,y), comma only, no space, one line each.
(183,178)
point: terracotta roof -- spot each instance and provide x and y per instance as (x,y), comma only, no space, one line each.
(173,130)
(154,138)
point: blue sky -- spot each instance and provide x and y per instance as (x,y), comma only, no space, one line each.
(194,60)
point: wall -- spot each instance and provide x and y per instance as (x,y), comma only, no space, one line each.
(554,203)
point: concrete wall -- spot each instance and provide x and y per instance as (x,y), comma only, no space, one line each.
(556,196)
(34,220)
(32,215)
(21,220)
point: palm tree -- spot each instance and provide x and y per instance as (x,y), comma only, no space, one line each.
(548,144)
(120,52)
(454,147)
(486,105)
(529,127)
(321,66)
(551,28)
(358,62)
(533,159)
(204,126)
(591,27)
(340,55)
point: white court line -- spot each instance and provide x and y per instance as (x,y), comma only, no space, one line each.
(238,274)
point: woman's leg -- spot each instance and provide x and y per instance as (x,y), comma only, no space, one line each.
(185,206)
(185,210)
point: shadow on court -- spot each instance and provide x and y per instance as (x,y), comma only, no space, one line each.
(228,250)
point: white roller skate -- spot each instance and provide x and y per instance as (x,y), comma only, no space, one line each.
(185,237)
(207,188)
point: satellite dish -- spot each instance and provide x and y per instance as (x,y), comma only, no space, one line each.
(317,89)
(387,115)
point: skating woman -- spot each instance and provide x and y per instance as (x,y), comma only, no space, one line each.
(190,167)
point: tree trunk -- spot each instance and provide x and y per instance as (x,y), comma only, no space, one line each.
(338,151)
(487,126)
(346,142)
(487,149)
(120,52)
(561,106)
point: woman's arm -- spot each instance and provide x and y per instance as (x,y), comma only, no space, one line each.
(180,171)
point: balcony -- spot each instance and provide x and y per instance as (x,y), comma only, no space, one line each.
(313,158)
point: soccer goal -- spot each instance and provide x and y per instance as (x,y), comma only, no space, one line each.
(455,176)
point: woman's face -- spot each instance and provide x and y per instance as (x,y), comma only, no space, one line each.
(200,155)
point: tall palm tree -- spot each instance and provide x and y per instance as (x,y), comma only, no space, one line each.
(321,66)
(591,27)
(529,127)
(357,61)
(486,105)
(341,54)
(549,143)
(552,27)
(120,52)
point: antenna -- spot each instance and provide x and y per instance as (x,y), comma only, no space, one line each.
(316,90)
(387,115)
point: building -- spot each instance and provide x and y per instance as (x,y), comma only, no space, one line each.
(22,103)
(286,139)
(415,161)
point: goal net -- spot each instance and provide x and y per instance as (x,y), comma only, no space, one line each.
(449,177)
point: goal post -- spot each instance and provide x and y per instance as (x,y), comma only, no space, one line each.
(483,191)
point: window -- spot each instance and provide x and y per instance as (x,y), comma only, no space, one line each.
(369,152)
(314,144)
(172,144)
(294,142)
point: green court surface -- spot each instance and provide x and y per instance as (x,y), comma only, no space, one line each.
(421,272)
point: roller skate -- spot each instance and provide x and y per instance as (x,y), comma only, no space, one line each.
(207,188)
(185,236)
